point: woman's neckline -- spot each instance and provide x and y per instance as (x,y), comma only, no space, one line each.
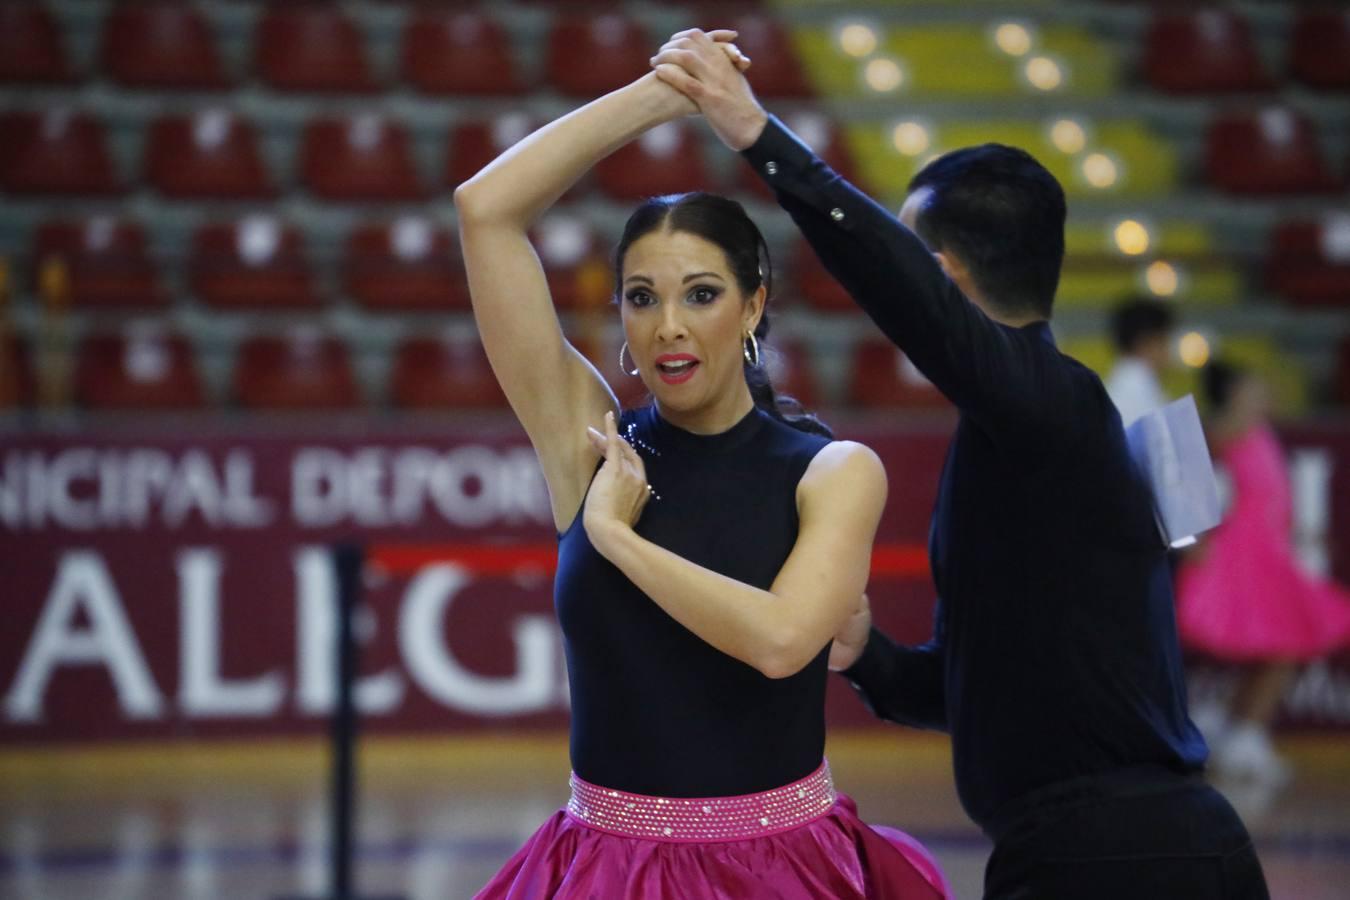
(665,433)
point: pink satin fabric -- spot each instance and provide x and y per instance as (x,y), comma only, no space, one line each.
(831,854)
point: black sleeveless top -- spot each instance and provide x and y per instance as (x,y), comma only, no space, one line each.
(655,710)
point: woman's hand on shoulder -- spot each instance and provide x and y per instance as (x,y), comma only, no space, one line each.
(619,492)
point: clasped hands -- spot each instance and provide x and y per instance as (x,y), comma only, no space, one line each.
(708,68)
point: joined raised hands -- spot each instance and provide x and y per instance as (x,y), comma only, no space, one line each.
(709,69)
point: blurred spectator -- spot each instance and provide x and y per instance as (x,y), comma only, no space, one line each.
(1243,597)
(1140,328)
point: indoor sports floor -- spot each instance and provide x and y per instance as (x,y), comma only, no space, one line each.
(438,816)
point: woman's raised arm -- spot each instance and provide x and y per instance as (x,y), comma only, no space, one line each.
(553,389)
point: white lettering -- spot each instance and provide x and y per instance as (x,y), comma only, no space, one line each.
(366,484)
(69,512)
(83,583)
(203,692)
(316,644)
(318,489)
(422,642)
(243,508)
(195,488)
(148,473)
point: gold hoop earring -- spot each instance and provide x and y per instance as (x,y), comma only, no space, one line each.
(751,343)
(622,367)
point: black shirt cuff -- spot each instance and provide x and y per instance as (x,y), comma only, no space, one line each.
(871,664)
(778,154)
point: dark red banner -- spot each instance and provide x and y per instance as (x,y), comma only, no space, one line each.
(162,585)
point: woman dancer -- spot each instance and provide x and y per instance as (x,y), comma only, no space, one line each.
(706,556)
(1243,596)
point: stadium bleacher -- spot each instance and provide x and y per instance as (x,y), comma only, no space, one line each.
(233,204)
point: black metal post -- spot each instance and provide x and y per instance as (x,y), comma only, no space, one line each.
(348,560)
(349,565)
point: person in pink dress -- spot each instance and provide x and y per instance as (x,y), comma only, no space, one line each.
(1243,596)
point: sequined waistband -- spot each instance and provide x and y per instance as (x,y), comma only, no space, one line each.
(703,818)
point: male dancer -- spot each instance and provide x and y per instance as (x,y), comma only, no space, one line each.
(1055,663)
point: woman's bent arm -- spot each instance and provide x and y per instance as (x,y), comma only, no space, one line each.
(778,631)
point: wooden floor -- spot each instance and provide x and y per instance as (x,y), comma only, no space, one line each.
(437,817)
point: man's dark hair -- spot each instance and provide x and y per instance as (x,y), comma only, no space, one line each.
(1138,319)
(998,210)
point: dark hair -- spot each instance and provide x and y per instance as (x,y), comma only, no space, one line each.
(1220,380)
(999,211)
(1138,319)
(723,222)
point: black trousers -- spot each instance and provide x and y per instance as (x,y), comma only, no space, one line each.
(1137,835)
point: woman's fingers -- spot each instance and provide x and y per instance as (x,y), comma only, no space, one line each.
(597,439)
(680,80)
(612,452)
(738,59)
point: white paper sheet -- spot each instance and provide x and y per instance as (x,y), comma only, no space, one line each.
(1169,446)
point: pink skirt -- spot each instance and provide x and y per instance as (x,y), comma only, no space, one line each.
(802,841)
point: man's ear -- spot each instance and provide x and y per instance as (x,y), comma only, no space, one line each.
(955,269)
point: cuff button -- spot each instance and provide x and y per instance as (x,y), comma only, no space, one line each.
(837,214)
(771,168)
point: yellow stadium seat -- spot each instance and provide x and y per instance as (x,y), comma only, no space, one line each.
(959,60)
(1140,163)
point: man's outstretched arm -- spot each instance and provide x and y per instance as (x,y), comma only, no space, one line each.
(1002,378)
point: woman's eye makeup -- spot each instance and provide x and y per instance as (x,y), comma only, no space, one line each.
(639,297)
(704,293)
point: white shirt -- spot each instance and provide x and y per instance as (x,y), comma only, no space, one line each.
(1134,389)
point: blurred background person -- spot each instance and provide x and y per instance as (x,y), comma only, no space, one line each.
(1243,595)
(1140,328)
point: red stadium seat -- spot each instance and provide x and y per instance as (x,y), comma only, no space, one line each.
(140,369)
(257,263)
(444,373)
(458,52)
(213,154)
(55,152)
(1274,151)
(814,284)
(883,378)
(668,159)
(1319,49)
(18,387)
(579,275)
(821,135)
(1310,262)
(1207,51)
(475,144)
(304,369)
(408,264)
(161,45)
(31,48)
(790,372)
(312,47)
(589,55)
(363,158)
(105,261)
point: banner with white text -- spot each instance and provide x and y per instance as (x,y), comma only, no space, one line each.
(182,586)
